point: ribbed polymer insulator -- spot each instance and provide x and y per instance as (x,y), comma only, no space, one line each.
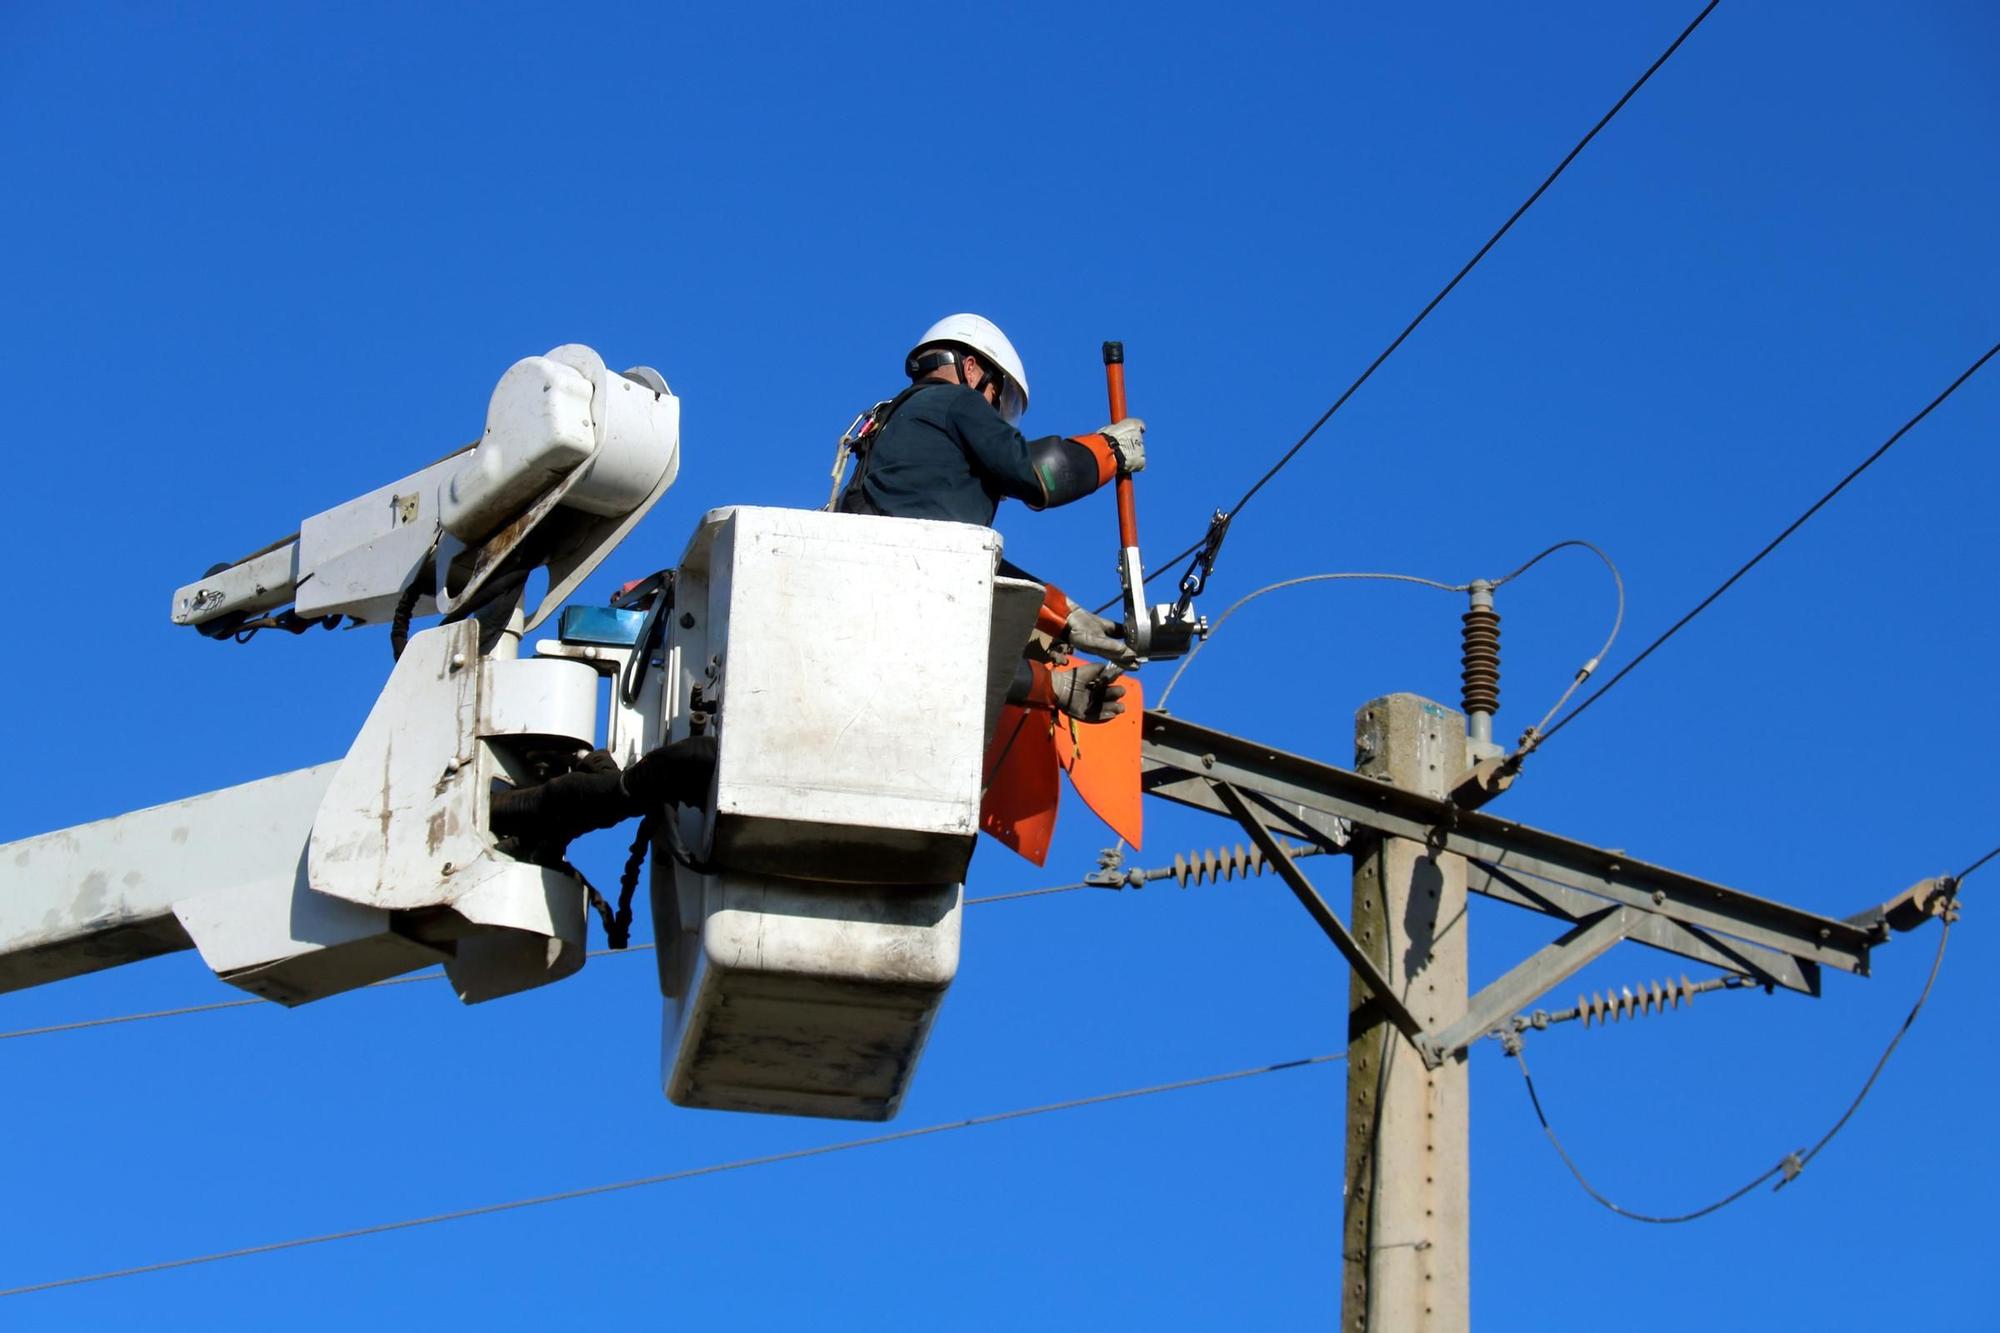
(1650,998)
(1210,865)
(1481,660)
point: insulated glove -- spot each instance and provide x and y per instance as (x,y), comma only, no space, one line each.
(1088,693)
(1128,443)
(1091,633)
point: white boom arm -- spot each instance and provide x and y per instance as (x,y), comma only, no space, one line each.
(321,880)
(572,458)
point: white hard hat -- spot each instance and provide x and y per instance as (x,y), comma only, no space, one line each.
(977,334)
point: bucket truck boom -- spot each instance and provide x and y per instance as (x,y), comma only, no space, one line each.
(573,456)
(331,877)
(806,908)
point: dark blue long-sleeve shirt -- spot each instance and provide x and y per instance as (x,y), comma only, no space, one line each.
(947,454)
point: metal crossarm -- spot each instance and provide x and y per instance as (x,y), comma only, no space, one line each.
(1184,762)
(1767,967)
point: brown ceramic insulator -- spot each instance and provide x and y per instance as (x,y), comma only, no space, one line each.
(1481,660)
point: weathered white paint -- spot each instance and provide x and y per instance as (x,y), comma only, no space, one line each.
(573,453)
(853,666)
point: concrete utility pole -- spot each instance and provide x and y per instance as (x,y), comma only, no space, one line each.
(1405,1225)
(1410,817)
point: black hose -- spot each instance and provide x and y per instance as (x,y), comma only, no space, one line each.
(399,624)
(422,584)
(618,930)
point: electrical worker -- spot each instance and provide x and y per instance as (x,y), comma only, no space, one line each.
(950,447)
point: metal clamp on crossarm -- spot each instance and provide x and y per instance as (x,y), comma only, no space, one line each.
(1921,902)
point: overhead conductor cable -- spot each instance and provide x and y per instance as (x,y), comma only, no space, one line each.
(1191,867)
(1787,1168)
(1444,291)
(1582,673)
(689,1173)
(1532,739)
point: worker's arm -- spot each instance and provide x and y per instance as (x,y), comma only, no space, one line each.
(1042,473)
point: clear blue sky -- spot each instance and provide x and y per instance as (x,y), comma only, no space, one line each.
(256,260)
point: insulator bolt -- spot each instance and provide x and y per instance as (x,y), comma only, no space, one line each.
(457,661)
(1659,896)
(1208,761)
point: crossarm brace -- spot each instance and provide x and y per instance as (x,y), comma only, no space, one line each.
(1281,861)
(1528,980)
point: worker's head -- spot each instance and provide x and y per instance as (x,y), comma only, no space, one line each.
(970,350)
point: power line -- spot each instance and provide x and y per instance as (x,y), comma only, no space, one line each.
(1446,290)
(1799,1161)
(193,1009)
(136,1018)
(1531,741)
(1582,673)
(1790,1165)
(690,1173)
(1031,893)
(218,1005)
(1600,1198)
(1480,254)
(1963,874)
(115,1019)
(1617,621)
(1279,586)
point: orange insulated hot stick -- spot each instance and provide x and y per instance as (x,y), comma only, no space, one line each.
(1131,577)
